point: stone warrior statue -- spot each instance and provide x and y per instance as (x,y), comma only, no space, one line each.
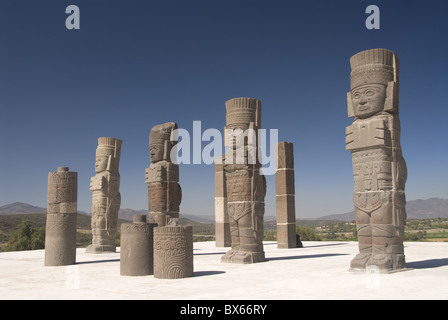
(162,177)
(245,186)
(106,197)
(379,169)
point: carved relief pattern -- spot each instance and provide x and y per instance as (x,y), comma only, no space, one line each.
(60,230)
(173,252)
(106,198)
(162,176)
(379,170)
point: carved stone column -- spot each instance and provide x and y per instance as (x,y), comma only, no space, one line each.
(136,247)
(379,169)
(173,252)
(162,176)
(245,186)
(106,198)
(60,233)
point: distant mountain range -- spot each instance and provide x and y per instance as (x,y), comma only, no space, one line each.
(416,209)
(125,214)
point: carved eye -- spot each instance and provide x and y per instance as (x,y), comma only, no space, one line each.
(369,93)
(356,95)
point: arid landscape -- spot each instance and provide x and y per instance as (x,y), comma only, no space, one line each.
(427,221)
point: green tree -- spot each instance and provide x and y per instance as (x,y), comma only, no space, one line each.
(308,234)
(26,238)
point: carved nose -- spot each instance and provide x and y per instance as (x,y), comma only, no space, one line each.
(363,100)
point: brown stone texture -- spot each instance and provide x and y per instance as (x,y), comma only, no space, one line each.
(285,196)
(240,188)
(106,198)
(60,230)
(162,176)
(379,170)
(173,252)
(136,247)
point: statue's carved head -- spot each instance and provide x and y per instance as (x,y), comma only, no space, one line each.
(374,83)
(160,143)
(241,114)
(107,155)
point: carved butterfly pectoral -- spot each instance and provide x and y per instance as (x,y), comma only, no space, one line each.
(367,201)
(239,209)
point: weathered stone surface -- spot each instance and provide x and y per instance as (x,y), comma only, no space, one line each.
(285,208)
(379,169)
(240,187)
(285,155)
(60,231)
(286,235)
(106,198)
(173,252)
(136,247)
(285,196)
(162,176)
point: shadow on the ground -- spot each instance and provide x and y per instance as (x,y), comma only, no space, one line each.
(308,256)
(206,273)
(427,264)
(98,261)
(325,245)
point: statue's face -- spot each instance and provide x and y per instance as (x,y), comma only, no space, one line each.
(234,133)
(368,99)
(156,153)
(101,163)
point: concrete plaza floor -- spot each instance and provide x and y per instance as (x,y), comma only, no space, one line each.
(317,271)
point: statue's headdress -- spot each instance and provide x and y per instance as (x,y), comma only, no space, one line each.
(111,148)
(243,111)
(161,135)
(376,66)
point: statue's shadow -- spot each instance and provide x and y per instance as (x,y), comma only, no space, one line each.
(427,264)
(308,256)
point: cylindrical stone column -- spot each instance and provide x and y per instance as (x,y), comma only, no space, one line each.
(60,233)
(136,247)
(173,252)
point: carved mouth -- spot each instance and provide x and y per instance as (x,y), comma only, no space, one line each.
(363,108)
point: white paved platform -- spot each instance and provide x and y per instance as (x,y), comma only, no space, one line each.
(317,271)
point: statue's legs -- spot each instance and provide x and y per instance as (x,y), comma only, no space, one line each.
(364,230)
(247,238)
(387,235)
(380,236)
(235,238)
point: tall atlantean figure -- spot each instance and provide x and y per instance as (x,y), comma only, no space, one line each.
(379,169)
(106,197)
(162,176)
(245,186)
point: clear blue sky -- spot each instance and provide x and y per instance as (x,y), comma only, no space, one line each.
(134,64)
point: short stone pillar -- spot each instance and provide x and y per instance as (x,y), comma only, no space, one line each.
(60,233)
(136,247)
(222,226)
(285,196)
(173,252)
